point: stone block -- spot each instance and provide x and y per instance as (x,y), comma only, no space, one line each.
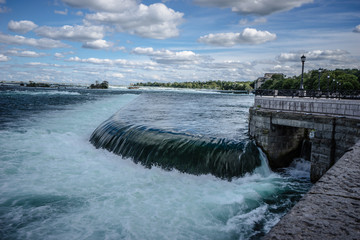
(339,136)
(354,107)
(349,112)
(327,127)
(340,111)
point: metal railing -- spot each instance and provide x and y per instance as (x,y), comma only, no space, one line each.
(341,94)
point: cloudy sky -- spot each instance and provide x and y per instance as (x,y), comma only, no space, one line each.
(127,41)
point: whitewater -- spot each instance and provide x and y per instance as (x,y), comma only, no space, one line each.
(54,184)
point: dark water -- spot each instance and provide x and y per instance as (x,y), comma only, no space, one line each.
(54,184)
(197,133)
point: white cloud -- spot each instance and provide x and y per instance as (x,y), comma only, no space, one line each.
(98,44)
(169,57)
(122,48)
(21,26)
(92,60)
(38,43)
(248,36)
(259,7)
(103,5)
(73,33)
(154,21)
(4,58)
(357,29)
(337,55)
(230,65)
(25,53)
(3,9)
(38,64)
(116,75)
(65,12)
(328,59)
(59,55)
(105,61)
(62,55)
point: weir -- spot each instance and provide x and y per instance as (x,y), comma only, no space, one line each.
(174,150)
(280,125)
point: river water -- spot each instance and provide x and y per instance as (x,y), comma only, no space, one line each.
(56,184)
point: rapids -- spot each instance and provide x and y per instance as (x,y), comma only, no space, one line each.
(54,184)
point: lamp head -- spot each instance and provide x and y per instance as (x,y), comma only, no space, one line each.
(303,58)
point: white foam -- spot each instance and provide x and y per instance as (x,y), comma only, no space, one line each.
(300,168)
(48,92)
(58,186)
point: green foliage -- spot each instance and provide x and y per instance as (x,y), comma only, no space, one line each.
(34,84)
(346,79)
(219,85)
(103,85)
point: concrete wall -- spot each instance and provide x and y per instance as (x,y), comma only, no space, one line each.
(331,209)
(348,108)
(281,143)
(280,133)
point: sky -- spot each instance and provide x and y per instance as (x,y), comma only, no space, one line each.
(128,41)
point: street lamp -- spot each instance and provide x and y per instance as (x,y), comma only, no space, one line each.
(303,58)
(328,82)
(320,69)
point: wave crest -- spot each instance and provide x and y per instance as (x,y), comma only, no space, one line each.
(184,152)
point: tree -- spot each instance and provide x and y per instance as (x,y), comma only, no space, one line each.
(267,84)
(346,78)
(103,85)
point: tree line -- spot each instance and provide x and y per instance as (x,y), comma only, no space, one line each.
(332,80)
(219,85)
(338,79)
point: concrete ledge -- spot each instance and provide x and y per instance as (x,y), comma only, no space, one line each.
(331,209)
(342,107)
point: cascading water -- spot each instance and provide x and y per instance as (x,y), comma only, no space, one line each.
(184,152)
(54,184)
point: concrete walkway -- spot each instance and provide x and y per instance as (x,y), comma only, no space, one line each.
(331,209)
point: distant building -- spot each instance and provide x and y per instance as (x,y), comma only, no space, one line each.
(267,76)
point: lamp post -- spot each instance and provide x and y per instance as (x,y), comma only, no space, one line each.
(303,58)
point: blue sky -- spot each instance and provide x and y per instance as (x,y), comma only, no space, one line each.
(127,41)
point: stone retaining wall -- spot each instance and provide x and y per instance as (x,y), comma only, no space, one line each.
(280,135)
(331,209)
(349,108)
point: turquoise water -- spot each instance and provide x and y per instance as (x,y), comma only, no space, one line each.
(54,184)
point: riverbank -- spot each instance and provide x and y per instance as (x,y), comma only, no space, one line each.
(331,209)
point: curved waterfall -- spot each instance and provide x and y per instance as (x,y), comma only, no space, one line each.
(184,152)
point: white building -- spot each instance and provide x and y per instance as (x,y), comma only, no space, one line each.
(261,80)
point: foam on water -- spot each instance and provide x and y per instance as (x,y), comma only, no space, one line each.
(299,168)
(55,185)
(43,92)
